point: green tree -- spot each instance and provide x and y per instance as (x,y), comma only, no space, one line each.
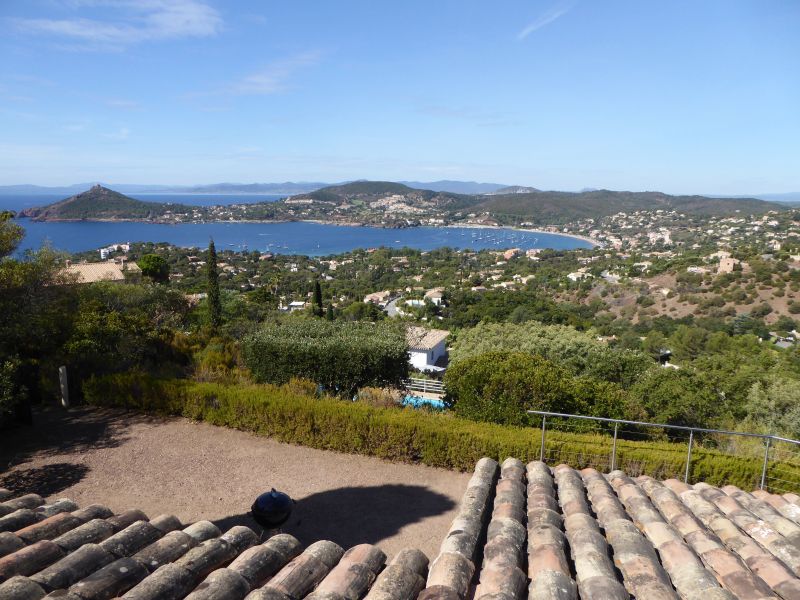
(363,311)
(688,342)
(676,397)
(36,310)
(212,289)
(773,406)
(318,308)
(500,386)
(155,267)
(654,343)
(11,234)
(329,314)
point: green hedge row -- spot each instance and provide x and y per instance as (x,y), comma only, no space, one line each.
(440,440)
(339,355)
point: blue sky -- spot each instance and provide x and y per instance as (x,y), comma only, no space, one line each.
(680,96)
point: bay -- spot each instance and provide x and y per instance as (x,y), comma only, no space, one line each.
(312,239)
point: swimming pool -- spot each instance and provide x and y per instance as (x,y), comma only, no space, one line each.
(420,401)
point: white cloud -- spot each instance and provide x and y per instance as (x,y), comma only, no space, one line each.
(120,135)
(273,78)
(545,18)
(75,127)
(140,21)
(123,104)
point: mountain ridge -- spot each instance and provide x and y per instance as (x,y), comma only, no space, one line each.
(393,204)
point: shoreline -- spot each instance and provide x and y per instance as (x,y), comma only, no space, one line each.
(577,236)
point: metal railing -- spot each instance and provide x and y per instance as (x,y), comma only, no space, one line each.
(428,386)
(779,457)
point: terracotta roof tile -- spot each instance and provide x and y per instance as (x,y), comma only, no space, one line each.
(521,531)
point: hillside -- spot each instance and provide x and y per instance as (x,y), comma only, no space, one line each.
(397,195)
(546,207)
(100,203)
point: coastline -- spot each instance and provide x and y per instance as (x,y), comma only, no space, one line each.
(588,240)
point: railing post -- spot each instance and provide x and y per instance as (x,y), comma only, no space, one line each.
(689,456)
(766,460)
(614,449)
(541,450)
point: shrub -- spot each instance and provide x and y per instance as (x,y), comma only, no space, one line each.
(499,387)
(379,397)
(340,356)
(577,352)
(10,393)
(407,435)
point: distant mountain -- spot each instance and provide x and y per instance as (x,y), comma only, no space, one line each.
(99,203)
(513,189)
(456,187)
(288,188)
(545,207)
(37,190)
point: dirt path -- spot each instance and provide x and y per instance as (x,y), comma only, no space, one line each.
(198,471)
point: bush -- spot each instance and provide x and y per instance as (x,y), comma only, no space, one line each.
(577,352)
(407,435)
(340,356)
(10,393)
(498,387)
(379,397)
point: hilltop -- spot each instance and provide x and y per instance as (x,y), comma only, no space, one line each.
(361,193)
(100,203)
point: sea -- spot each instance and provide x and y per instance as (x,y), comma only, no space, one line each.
(298,238)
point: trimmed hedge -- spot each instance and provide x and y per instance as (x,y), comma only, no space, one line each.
(339,355)
(407,435)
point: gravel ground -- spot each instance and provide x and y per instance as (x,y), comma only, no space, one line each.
(198,471)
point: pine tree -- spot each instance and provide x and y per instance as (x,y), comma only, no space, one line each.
(214,303)
(318,308)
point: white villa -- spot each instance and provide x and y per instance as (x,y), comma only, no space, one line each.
(426,347)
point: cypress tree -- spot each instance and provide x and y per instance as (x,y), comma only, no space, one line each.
(330,312)
(214,303)
(318,308)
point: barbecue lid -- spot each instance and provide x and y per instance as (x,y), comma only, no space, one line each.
(272,508)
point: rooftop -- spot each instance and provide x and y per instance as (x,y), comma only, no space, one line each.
(419,338)
(101,271)
(521,531)
(562,533)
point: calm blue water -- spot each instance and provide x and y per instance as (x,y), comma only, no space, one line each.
(282,238)
(310,239)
